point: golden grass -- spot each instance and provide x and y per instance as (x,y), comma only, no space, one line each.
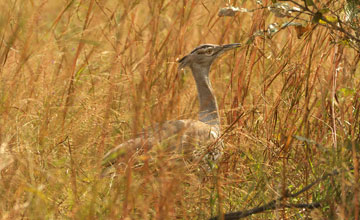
(79,77)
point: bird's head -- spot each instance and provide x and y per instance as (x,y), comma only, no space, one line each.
(205,54)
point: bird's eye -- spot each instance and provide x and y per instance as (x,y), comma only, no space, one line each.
(209,52)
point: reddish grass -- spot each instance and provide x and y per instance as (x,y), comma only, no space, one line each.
(79,77)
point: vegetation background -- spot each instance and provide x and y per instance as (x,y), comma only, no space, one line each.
(79,77)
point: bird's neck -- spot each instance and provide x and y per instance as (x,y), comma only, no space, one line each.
(208,105)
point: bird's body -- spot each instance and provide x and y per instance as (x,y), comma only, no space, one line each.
(187,137)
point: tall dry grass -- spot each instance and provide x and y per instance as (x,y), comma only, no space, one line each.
(79,77)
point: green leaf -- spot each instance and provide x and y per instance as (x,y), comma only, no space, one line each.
(309,2)
(352,9)
(316,17)
(324,10)
(330,18)
(344,42)
(78,73)
(347,92)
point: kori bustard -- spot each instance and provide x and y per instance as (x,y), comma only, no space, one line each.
(188,137)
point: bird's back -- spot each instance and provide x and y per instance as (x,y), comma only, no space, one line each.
(188,138)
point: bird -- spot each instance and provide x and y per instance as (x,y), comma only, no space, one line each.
(187,137)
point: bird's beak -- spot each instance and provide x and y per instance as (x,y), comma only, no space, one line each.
(227,47)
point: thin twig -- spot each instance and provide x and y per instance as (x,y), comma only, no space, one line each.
(276,203)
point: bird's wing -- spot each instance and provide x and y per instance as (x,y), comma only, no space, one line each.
(184,136)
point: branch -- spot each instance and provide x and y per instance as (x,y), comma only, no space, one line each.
(339,26)
(270,206)
(276,203)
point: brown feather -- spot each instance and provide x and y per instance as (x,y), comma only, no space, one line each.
(187,137)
